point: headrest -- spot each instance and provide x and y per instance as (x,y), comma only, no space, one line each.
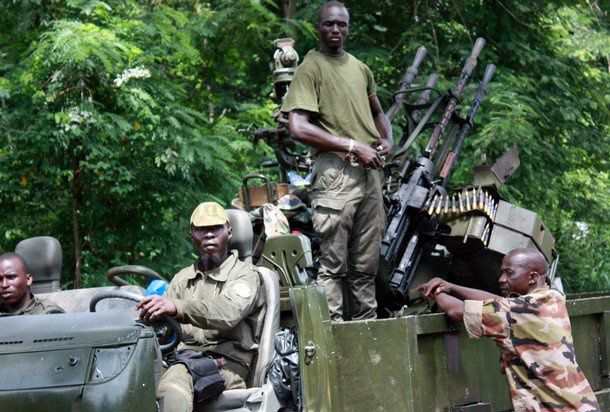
(242,233)
(43,256)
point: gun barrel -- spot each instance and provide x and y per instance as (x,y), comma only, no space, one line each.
(407,79)
(489,72)
(419,57)
(479,44)
(467,71)
(425,96)
(478,99)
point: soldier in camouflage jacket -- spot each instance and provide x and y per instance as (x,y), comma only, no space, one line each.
(531,327)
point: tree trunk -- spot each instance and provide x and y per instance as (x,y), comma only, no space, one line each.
(76,196)
(290,9)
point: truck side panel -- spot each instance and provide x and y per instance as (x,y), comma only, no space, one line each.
(426,362)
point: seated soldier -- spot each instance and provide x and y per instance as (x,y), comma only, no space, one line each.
(530,325)
(15,295)
(220,303)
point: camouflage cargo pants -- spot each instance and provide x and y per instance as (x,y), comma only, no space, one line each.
(175,390)
(349,220)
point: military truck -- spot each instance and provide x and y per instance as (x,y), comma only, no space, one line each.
(99,357)
(411,358)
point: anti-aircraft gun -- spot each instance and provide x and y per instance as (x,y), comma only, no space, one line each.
(432,229)
(474,225)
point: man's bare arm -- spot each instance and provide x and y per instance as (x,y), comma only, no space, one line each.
(383,125)
(464,293)
(437,285)
(453,307)
(303,130)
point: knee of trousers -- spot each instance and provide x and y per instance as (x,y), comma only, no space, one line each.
(175,390)
(356,276)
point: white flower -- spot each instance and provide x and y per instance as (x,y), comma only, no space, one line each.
(583,230)
(135,73)
(76,117)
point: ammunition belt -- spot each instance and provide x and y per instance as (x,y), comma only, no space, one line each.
(445,208)
(451,207)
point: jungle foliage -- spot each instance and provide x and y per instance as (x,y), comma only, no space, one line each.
(118,117)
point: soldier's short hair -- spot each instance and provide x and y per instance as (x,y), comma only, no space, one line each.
(535,258)
(17,257)
(327,5)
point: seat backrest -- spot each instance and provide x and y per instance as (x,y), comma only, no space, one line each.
(242,234)
(44,258)
(241,240)
(271,324)
(289,255)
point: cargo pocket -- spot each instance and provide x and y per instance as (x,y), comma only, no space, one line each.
(323,219)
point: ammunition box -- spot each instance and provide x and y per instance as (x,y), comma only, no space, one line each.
(503,240)
(527,223)
(471,226)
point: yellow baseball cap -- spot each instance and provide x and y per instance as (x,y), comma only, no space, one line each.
(209,214)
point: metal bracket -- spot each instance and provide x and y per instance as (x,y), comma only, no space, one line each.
(310,351)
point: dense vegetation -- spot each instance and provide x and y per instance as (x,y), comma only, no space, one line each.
(118,117)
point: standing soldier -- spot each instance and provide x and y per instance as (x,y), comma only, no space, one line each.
(333,107)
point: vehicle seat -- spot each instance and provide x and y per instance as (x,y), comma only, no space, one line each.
(241,234)
(290,255)
(235,398)
(44,258)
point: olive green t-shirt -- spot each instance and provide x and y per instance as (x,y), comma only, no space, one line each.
(337,89)
(36,306)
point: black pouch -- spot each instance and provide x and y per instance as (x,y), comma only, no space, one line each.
(207,382)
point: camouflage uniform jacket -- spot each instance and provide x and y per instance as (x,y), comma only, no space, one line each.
(221,310)
(36,306)
(534,335)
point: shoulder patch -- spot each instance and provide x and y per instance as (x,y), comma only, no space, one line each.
(242,290)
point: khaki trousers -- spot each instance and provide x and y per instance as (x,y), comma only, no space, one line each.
(349,220)
(175,391)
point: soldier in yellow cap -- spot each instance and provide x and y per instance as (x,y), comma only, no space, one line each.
(220,304)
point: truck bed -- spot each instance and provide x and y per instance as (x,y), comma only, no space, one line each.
(426,362)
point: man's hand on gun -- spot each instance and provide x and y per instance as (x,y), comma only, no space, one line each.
(372,157)
(434,287)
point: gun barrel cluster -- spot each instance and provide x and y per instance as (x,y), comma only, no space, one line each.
(416,210)
(465,75)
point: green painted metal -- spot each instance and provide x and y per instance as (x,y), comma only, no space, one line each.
(50,366)
(78,362)
(605,348)
(425,362)
(417,363)
(288,255)
(317,357)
